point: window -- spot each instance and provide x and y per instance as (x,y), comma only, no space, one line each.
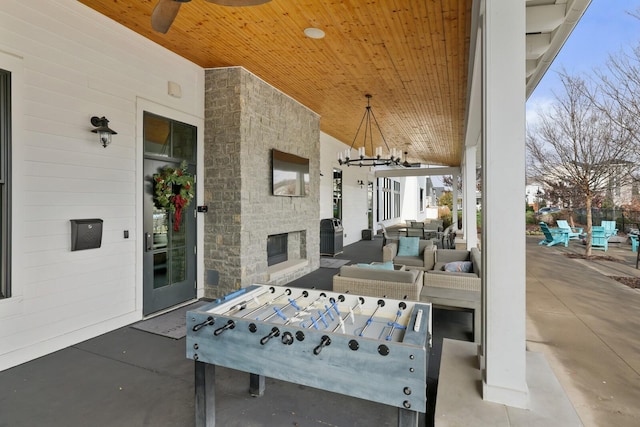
(169,138)
(384,199)
(5,187)
(396,199)
(337,194)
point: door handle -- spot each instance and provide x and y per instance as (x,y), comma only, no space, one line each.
(148,239)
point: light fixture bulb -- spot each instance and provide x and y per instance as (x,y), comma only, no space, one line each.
(314,33)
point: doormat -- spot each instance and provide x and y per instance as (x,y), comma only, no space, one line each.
(333,263)
(172,324)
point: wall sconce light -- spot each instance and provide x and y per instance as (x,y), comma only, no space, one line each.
(103,130)
(360,183)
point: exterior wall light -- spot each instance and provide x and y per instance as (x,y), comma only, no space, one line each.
(103,130)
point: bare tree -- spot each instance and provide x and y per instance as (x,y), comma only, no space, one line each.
(579,145)
(447,180)
(619,83)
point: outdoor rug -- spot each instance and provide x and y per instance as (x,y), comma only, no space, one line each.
(333,263)
(171,324)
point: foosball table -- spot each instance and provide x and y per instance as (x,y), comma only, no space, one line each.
(366,347)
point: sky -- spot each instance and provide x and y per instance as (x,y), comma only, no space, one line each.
(606,28)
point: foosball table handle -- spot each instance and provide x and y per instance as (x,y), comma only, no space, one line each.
(274,333)
(325,341)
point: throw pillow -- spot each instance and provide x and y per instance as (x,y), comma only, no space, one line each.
(459,267)
(409,246)
(381,266)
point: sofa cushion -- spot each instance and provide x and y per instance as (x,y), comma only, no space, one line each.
(439,266)
(411,261)
(449,255)
(459,267)
(451,273)
(409,246)
(388,265)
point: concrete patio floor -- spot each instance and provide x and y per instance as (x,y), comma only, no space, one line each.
(586,324)
(588,327)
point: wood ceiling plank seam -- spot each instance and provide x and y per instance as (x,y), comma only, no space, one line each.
(432,74)
(419,64)
(370,50)
(463,26)
(450,25)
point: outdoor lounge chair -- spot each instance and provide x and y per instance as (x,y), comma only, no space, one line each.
(551,239)
(387,234)
(634,242)
(574,232)
(599,238)
(609,228)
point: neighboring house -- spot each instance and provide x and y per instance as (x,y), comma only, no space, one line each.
(619,188)
(534,195)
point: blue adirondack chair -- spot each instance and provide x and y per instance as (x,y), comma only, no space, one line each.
(634,242)
(609,228)
(551,239)
(574,232)
(599,238)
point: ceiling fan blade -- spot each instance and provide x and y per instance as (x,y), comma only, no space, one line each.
(163,15)
(238,2)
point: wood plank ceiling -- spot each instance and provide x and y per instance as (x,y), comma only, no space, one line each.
(410,55)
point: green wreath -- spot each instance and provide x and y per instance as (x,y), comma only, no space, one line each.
(174,190)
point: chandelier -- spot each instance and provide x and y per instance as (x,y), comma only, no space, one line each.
(377,158)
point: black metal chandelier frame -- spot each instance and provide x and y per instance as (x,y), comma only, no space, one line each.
(368,119)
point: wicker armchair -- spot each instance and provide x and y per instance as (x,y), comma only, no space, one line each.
(455,290)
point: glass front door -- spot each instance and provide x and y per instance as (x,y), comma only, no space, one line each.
(169,240)
(169,252)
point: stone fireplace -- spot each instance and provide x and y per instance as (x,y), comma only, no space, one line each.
(245,118)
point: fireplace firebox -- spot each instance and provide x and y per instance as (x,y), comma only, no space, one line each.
(277,250)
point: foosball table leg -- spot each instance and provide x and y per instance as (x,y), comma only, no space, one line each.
(256,385)
(205,385)
(407,418)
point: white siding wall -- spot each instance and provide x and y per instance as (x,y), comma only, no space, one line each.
(410,199)
(69,63)
(354,198)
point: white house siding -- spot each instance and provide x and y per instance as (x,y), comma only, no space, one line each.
(410,199)
(354,198)
(69,63)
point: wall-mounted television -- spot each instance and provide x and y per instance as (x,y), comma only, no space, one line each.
(289,174)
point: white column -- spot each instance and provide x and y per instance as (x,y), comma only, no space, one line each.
(456,208)
(469,197)
(503,237)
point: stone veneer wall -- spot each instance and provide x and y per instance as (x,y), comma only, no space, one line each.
(244,119)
